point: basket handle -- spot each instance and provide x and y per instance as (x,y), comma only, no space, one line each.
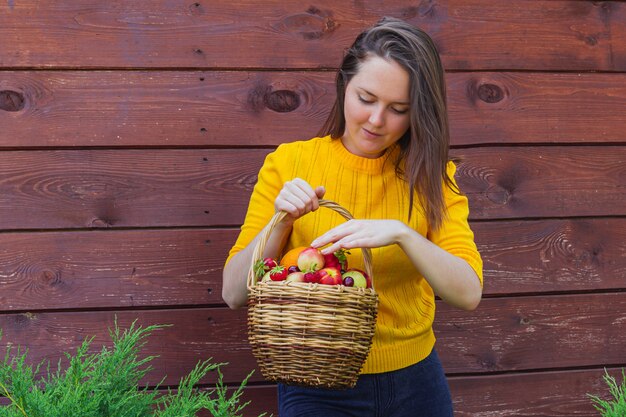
(260,246)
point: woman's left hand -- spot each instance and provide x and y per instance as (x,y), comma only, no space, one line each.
(360,234)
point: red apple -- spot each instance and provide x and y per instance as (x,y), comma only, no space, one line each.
(329,276)
(310,260)
(359,278)
(296,276)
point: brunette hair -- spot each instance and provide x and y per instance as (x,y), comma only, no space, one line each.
(423,152)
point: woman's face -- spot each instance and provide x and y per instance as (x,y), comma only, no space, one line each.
(376,107)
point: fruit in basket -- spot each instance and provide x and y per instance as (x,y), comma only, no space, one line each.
(359,278)
(329,276)
(295,277)
(278,273)
(291,257)
(310,259)
(263,265)
(337,260)
(311,277)
(293,268)
(266,277)
(348,281)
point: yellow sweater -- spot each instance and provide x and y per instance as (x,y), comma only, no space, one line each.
(369,189)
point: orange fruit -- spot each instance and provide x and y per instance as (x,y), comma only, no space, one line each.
(291,257)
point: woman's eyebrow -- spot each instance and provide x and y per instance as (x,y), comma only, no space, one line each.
(404,103)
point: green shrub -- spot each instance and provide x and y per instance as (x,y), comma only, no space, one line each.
(106,384)
(616,406)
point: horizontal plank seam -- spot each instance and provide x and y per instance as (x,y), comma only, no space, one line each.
(536,370)
(295,69)
(214,306)
(136,308)
(272,147)
(236,227)
(518,295)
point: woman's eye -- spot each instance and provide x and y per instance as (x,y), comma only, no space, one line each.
(398,111)
(364,100)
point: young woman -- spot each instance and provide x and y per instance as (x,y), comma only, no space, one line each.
(383,155)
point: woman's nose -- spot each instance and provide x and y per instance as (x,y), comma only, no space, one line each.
(377,117)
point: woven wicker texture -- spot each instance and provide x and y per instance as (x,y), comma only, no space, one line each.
(310,334)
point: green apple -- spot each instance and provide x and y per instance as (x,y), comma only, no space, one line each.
(358,277)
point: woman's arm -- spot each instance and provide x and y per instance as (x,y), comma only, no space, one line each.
(297,198)
(235,275)
(450,277)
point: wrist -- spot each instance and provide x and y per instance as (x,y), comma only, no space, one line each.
(404,234)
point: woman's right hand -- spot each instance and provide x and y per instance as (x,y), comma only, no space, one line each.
(298,198)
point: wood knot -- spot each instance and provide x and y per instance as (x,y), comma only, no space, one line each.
(314,24)
(50,277)
(425,8)
(282,101)
(23,320)
(196,9)
(490,93)
(591,40)
(498,195)
(100,223)
(11,100)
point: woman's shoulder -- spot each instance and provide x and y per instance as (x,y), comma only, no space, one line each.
(298,146)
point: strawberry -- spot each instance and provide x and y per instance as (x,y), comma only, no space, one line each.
(278,273)
(263,265)
(337,259)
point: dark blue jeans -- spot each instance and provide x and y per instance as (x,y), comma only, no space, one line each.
(414,391)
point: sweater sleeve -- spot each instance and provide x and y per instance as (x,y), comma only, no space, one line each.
(270,181)
(455,235)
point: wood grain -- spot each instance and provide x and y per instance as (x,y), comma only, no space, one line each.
(266,108)
(542,256)
(130,188)
(502,335)
(158,188)
(136,268)
(157,109)
(476,34)
(533,333)
(194,335)
(538,394)
(514,182)
(182,267)
(529,108)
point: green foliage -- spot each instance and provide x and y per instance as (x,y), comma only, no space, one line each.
(616,406)
(106,384)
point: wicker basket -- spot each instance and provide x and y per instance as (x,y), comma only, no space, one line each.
(310,334)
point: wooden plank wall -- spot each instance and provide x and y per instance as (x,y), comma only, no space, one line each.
(131,135)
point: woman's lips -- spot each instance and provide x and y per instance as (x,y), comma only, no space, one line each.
(370,134)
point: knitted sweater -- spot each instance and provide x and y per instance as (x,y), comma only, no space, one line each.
(368,189)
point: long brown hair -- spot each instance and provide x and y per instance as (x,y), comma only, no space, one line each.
(424,147)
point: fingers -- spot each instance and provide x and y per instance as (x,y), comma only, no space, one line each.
(297,198)
(360,234)
(320,191)
(340,237)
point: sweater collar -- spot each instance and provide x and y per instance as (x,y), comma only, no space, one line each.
(359,163)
